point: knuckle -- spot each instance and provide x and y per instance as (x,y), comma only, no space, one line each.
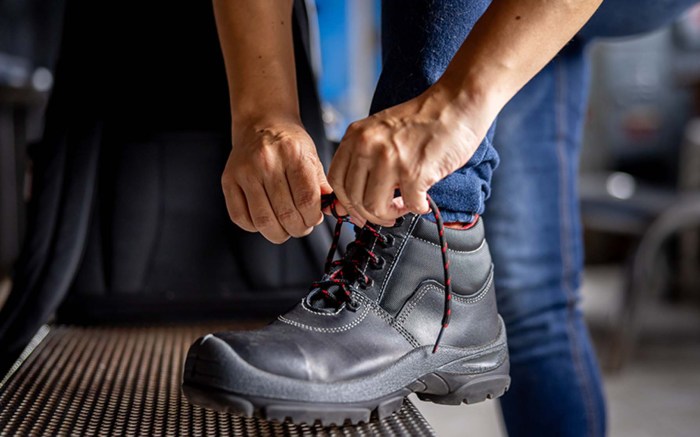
(239,171)
(364,137)
(312,218)
(226,182)
(306,199)
(374,215)
(262,221)
(349,206)
(353,127)
(236,216)
(354,201)
(367,142)
(376,211)
(372,206)
(388,152)
(355,207)
(287,215)
(254,161)
(287,145)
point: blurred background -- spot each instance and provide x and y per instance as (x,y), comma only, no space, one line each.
(639,176)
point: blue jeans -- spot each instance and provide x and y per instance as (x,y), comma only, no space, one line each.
(533,225)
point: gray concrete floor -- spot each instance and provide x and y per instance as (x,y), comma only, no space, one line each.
(656,395)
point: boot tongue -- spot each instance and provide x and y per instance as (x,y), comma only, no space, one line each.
(328,294)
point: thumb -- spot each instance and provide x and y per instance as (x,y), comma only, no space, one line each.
(415,196)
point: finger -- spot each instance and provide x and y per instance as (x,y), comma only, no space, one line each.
(303,184)
(379,194)
(262,214)
(282,202)
(322,180)
(355,183)
(337,170)
(355,216)
(237,207)
(326,188)
(335,208)
(359,201)
(339,209)
(397,204)
(414,193)
(336,178)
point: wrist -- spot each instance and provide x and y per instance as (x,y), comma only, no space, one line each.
(265,120)
(470,104)
(274,105)
(245,130)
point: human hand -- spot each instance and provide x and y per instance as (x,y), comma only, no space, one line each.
(273,180)
(410,146)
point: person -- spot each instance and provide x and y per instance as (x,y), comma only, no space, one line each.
(449,68)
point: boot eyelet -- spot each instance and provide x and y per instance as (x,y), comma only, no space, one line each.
(388,240)
(379,264)
(353,305)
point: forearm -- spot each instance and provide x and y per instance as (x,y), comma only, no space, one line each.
(256,41)
(512,41)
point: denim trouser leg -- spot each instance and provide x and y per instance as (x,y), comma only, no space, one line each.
(533,229)
(534,232)
(419,39)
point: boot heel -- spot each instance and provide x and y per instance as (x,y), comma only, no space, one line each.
(469,389)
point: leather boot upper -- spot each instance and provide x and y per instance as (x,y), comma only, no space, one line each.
(397,307)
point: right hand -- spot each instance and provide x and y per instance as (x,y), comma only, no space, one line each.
(273,180)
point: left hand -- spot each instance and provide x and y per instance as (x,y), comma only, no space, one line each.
(410,146)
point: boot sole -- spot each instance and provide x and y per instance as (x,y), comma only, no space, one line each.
(442,386)
(468,389)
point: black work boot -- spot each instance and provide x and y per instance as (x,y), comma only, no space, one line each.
(367,334)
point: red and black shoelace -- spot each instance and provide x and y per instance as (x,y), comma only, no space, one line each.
(341,274)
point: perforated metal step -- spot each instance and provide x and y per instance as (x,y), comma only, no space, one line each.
(126,382)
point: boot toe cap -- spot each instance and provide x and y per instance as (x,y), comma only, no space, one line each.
(222,359)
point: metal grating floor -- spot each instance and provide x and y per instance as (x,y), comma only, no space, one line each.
(125,381)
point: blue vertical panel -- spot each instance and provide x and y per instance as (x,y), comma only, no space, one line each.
(334,78)
(349,42)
